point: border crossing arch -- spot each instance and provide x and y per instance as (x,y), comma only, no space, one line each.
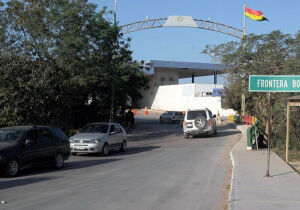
(182,21)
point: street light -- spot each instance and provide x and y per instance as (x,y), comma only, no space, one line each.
(145,65)
(214,58)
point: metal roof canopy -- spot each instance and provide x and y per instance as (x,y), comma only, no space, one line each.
(187,69)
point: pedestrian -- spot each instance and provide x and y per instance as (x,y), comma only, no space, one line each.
(130,118)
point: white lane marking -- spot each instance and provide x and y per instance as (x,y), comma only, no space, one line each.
(233,192)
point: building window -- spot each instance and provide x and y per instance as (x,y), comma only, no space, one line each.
(162,79)
(207,94)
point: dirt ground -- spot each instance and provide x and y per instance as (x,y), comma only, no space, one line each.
(294,158)
(295,165)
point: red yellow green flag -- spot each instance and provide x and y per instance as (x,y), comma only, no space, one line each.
(255,14)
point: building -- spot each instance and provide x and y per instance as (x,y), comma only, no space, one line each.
(165,92)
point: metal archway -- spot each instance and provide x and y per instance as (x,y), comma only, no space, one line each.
(182,21)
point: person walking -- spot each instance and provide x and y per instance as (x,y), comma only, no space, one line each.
(130,118)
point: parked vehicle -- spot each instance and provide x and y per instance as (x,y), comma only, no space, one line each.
(99,138)
(198,122)
(171,117)
(25,146)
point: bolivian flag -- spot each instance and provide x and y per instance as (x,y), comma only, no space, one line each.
(255,14)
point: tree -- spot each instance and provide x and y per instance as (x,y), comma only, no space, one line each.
(60,52)
(267,54)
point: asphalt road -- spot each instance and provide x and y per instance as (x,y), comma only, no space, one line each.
(160,170)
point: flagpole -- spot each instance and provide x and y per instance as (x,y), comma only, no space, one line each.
(243,105)
(244,27)
(115,13)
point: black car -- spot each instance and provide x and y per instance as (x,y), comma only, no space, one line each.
(25,146)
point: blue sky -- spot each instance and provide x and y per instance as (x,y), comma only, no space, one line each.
(186,44)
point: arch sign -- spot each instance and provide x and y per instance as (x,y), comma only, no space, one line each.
(182,21)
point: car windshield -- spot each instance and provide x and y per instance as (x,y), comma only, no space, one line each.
(94,128)
(10,135)
(194,114)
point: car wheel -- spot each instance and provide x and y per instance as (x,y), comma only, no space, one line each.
(12,168)
(105,150)
(161,120)
(59,160)
(200,122)
(124,146)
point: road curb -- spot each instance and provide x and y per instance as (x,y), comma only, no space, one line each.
(233,192)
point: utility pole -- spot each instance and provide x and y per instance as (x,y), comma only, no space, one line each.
(112,111)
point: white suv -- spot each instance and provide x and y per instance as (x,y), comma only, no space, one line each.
(199,121)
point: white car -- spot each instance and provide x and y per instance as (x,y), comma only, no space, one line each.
(199,121)
(99,138)
(171,117)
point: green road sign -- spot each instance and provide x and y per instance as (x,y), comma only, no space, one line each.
(274,83)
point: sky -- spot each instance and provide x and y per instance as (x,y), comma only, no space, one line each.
(186,44)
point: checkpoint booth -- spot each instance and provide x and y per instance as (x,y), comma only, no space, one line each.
(166,92)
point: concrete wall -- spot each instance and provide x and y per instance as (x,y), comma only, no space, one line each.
(183,97)
(161,77)
(165,77)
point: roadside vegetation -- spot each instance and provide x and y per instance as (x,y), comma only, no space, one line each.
(60,60)
(267,54)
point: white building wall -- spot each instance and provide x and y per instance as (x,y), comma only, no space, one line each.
(175,97)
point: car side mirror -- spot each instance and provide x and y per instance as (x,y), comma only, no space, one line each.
(28,142)
(214,116)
